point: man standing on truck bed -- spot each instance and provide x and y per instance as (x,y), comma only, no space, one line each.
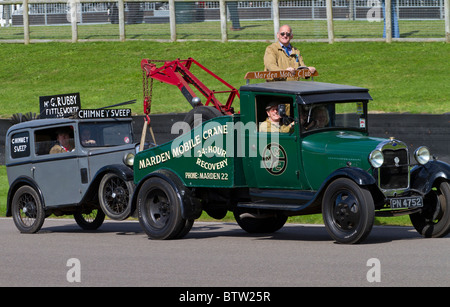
(282,55)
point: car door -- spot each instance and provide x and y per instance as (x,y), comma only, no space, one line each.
(57,175)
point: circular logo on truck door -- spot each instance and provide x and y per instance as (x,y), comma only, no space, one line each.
(274,159)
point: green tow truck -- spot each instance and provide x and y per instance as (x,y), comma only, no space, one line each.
(223,162)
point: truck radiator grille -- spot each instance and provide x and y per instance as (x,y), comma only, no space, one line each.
(394,173)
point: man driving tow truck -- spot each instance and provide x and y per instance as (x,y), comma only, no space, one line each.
(273,120)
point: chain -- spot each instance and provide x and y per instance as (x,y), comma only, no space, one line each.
(149,107)
(146,91)
(145,84)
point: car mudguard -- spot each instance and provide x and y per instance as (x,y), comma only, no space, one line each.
(120,170)
(190,208)
(358,175)
(423,176)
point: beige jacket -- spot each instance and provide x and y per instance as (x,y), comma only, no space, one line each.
(275,58)
(270,126)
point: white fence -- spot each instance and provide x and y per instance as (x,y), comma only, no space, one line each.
(223,20)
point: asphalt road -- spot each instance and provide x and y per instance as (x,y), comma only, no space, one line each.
(218,255)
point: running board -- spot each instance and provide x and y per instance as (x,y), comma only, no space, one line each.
(283,207)
(280,200)
(282,196)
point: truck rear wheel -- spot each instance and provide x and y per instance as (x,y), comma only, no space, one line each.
(434,220)
(259,223)
(348,211)
(159,210)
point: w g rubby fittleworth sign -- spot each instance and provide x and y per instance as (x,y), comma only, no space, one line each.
(59,105)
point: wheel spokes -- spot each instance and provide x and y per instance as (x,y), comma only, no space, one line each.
(27,210)
(116,195)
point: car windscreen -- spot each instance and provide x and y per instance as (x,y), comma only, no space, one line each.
(100,134)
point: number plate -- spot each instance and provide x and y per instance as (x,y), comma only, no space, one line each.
(406,202)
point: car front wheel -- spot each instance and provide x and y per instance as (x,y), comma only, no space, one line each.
(114,195)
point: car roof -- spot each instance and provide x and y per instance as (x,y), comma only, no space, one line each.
(311,92)
(51,122)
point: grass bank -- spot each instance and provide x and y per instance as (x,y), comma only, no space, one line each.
(402,77)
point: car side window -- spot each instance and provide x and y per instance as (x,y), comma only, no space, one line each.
(54,140)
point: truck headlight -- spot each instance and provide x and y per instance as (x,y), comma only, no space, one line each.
(128,159)
(422,155)
(376,158)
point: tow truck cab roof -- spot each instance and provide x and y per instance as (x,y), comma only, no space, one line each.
(310,92)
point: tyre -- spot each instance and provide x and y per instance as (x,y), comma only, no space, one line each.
(216,213)
(114,195)
(434,219)
(185,229)
(200,114)
(348,211)
(159,210)
(89,220)
(259,223)
(27,210)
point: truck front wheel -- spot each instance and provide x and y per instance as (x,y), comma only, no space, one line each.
(434,219)
(159,210)
(348,211)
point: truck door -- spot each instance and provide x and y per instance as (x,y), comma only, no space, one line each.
(274,159)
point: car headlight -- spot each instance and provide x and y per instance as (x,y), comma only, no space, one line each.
(129,159)
(376,158)
(422,155)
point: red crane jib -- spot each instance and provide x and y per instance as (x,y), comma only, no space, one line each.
(178,73)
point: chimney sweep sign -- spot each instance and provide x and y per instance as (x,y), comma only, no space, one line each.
(104,113)
(59,105)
